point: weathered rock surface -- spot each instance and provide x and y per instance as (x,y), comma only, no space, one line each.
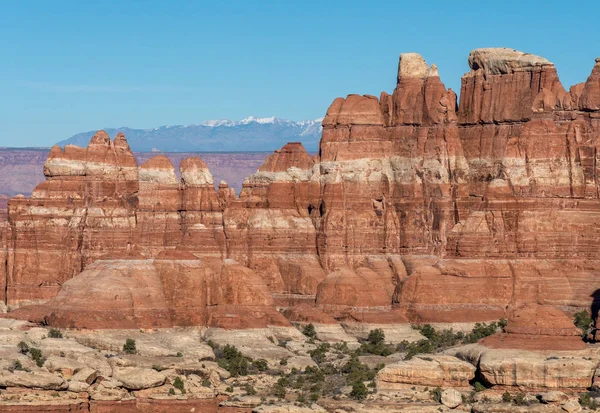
(537,327)
(416,209)
(430,370)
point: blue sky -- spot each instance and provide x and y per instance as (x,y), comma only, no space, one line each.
(72,66)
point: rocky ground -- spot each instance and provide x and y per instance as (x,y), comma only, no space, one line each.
(281,369)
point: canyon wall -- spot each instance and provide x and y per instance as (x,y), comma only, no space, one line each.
(416,208)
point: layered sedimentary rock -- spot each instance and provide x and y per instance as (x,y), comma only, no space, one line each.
(417,207)
(537,327)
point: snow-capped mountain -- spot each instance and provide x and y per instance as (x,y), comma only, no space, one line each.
(249,134)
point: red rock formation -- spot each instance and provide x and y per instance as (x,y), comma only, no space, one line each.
(175,289)
(270,227)
(537,327)
(436,211)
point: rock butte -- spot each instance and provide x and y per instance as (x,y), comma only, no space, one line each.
(417,209)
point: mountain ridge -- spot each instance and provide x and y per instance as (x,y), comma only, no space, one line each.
(255,134)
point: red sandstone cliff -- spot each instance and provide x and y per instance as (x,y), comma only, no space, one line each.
(439,211)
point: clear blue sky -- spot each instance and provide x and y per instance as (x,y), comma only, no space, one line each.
(72,66)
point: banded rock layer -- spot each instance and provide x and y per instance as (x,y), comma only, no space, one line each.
(417,207)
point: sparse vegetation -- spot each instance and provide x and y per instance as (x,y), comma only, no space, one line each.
(54,333)
(506,397)
(479,387)
(436,394)
(178,384)
(23,347)
(583,321)
(375,344)
(260,364)
(439,340)
(309,331)
(158,368)
(250,390)
(37,356)
(129,346)
(587,399)
(519,399)
(359,391)
(231,359)
(17,366)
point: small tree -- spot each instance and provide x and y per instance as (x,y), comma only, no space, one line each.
(36,355)
(376,337)
(23,347)
(583,321)
(309,331)
(129,346)
(178,384)
(54,333)
(359,390)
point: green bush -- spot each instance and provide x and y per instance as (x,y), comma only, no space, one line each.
(583,321)
(129,346)
(359,391)
(260,364)
(506,397)
(36,355)
(249,389)
(232,360)
(171,392)
(54,333)
(436,394)
(375,344)
(309,331)
(158,368)
(587,400)
(17,365)
(480,331)
(23,347)
(519,399)
(320,353)
(479,387)
(178,384)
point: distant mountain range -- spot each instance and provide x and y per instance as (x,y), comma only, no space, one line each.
(249,134)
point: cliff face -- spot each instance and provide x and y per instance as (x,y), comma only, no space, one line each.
(417,207)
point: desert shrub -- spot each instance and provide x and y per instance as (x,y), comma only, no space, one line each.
(479,387)
(178,384)
(249,389)
(357,371)
(158,368)
(279,390)
(412,349)
(583,321)
(519,399)
(436,394)
(309,331)
(37,356)
(129,346)
(359,390)
(283,362)
(16,365)
(587,400)
(54,333)
(229,389)
(23,347)
(375,344)
(319,354)
(260,364)
(506,397)
(480,331)
(171,392)
(232,360)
